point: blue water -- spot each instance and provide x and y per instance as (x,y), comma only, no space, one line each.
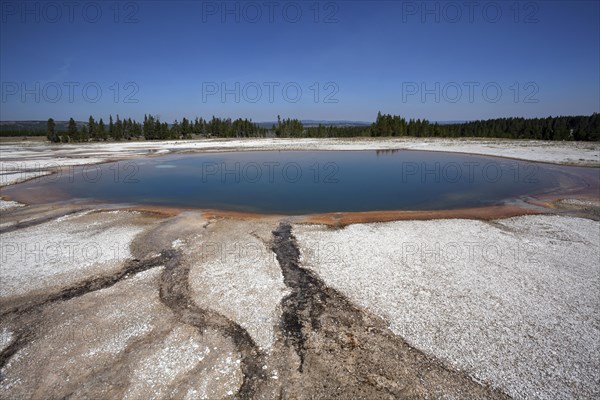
(298,182)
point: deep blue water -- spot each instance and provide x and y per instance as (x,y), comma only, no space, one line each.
(296,182)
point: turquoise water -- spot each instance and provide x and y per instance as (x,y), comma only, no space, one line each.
(298,182)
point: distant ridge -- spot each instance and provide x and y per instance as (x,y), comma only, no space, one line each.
(35,126)
(449,122)
(312,122)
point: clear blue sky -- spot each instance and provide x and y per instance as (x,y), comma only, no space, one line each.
(173,56)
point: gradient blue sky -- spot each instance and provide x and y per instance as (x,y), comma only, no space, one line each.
(372,52)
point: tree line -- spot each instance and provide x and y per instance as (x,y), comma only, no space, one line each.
(551,128)
(152,129)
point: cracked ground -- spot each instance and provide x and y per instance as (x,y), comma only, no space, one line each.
(101,303)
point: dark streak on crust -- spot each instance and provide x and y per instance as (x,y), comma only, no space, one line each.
(38,221)
(303,306)
(175,294)
(346,352)
(132,267)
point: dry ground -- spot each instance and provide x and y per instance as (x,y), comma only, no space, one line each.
(270,308)
(97,302)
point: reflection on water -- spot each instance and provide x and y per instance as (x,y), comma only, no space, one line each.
(295,182)
(386,151)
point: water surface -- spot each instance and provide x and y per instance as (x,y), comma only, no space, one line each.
(299,182)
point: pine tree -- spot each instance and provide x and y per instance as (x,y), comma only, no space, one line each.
(111,127)
(51,131)
(175,131)
(185,127)
(101,131)
(72,130)
(92,131)
(118,129)
(84,133)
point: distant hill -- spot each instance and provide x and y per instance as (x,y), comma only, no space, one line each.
(311,122)
(449,122)
(34,126)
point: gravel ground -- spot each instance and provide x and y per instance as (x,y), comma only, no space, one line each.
(535,150)
(494,299)
(83,335)
(65,250)
(11,178)
(6,338)
(512,302)
(120,342)
(158,373)
(235,273)
(7,205)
